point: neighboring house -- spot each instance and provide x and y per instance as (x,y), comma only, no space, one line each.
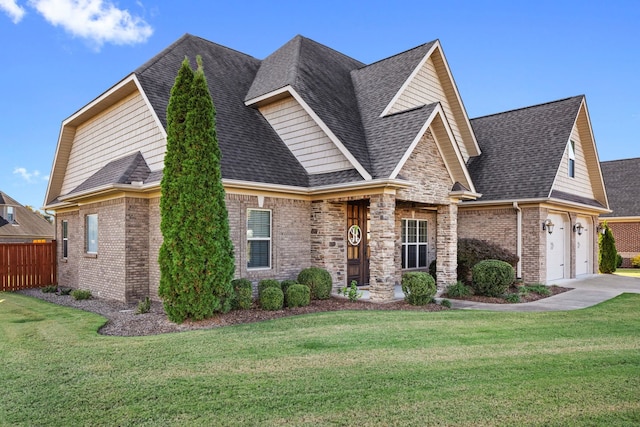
(622,179)
(19,224)
(326,161)
(539,165)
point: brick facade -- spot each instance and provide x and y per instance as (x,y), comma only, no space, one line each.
(627,236)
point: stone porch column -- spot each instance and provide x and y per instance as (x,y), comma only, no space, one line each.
(446,246)
(382,268)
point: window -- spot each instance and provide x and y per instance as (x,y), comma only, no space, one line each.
(65,239)
(572,159)
(258,238)
(10,215)
(91,226)
(414,243)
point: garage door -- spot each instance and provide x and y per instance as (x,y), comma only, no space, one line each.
(556,248)
(583,246)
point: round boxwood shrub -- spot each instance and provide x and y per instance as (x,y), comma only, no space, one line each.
(284,285)
(419,288)
(298,295)
(492,277)
(472,251)
(267,283)
(318,280)
(272,298)
(242,294)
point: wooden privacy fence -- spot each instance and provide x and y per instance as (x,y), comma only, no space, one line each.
(27,265)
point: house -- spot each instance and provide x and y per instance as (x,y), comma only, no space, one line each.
(542,189)
(622,178)
(19,224)
(361,169)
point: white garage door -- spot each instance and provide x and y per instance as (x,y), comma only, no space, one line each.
(583,247)
(556,248)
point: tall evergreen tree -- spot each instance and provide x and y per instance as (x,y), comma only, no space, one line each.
(199,254)
(607,254)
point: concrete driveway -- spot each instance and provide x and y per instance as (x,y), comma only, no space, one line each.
(587,291)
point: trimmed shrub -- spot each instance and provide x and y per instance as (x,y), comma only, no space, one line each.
(458,290)
(445,303)
(419,288)
(242,294)
(267,283)
(619,260)
(284,285)
(298,295)
(144,306)
(492,277)
(318,280)
(80,294)
(512,298)
(272,298)
(635,261)
(472,251)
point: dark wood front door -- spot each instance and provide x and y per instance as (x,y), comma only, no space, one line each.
(357,242)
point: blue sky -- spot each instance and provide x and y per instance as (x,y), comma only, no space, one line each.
(60,54)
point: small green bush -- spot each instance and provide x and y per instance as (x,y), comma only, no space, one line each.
(267,283)
(80,294)
(445,303)
(539,289)
(272,298)
(49,289)
(512,298)
(458,290)
(284,285)
(419,288)
(351,292)
(635,261)
(472,251)
(144,306)
(492,277)
(619,260)
(242,294)
(318,280)
(65,291)
(298,295)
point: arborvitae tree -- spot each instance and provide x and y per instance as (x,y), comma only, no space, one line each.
(200,255)
(169,258)
(607,251)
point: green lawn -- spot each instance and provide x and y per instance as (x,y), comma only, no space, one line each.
(630,272)
(341,368)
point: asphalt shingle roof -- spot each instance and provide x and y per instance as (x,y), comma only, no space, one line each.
(522,149)
(622,180)
(125,170)
(29,224)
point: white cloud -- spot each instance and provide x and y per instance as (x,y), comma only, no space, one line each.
(99,21)
(26,175)
(11,8)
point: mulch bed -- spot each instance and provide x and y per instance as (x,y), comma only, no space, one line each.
(531,296)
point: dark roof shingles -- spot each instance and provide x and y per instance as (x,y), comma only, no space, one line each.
(622,180)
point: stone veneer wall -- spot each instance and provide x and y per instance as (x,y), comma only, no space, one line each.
(383,270)
(328,239)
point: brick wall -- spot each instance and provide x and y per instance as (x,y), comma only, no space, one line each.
(627,235)
(68,268)
(154,242)
(136,249)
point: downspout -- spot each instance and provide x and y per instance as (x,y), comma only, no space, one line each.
(518,239)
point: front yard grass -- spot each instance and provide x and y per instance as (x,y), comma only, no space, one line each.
(368,368)
(629,272)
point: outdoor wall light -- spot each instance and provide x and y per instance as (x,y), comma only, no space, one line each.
(578,228)
(600,229)
(548,226)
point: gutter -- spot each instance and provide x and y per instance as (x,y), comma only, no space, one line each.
(518,239)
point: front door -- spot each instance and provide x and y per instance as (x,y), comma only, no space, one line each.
(357,247)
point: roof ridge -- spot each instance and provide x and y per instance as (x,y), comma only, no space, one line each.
(528,107)
(331,49)
(621,160)
(399,53)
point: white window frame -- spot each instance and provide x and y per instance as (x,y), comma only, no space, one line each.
(65,239)
(406,245)
(89,247)
(11,216)
(571,163)
(260,239)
